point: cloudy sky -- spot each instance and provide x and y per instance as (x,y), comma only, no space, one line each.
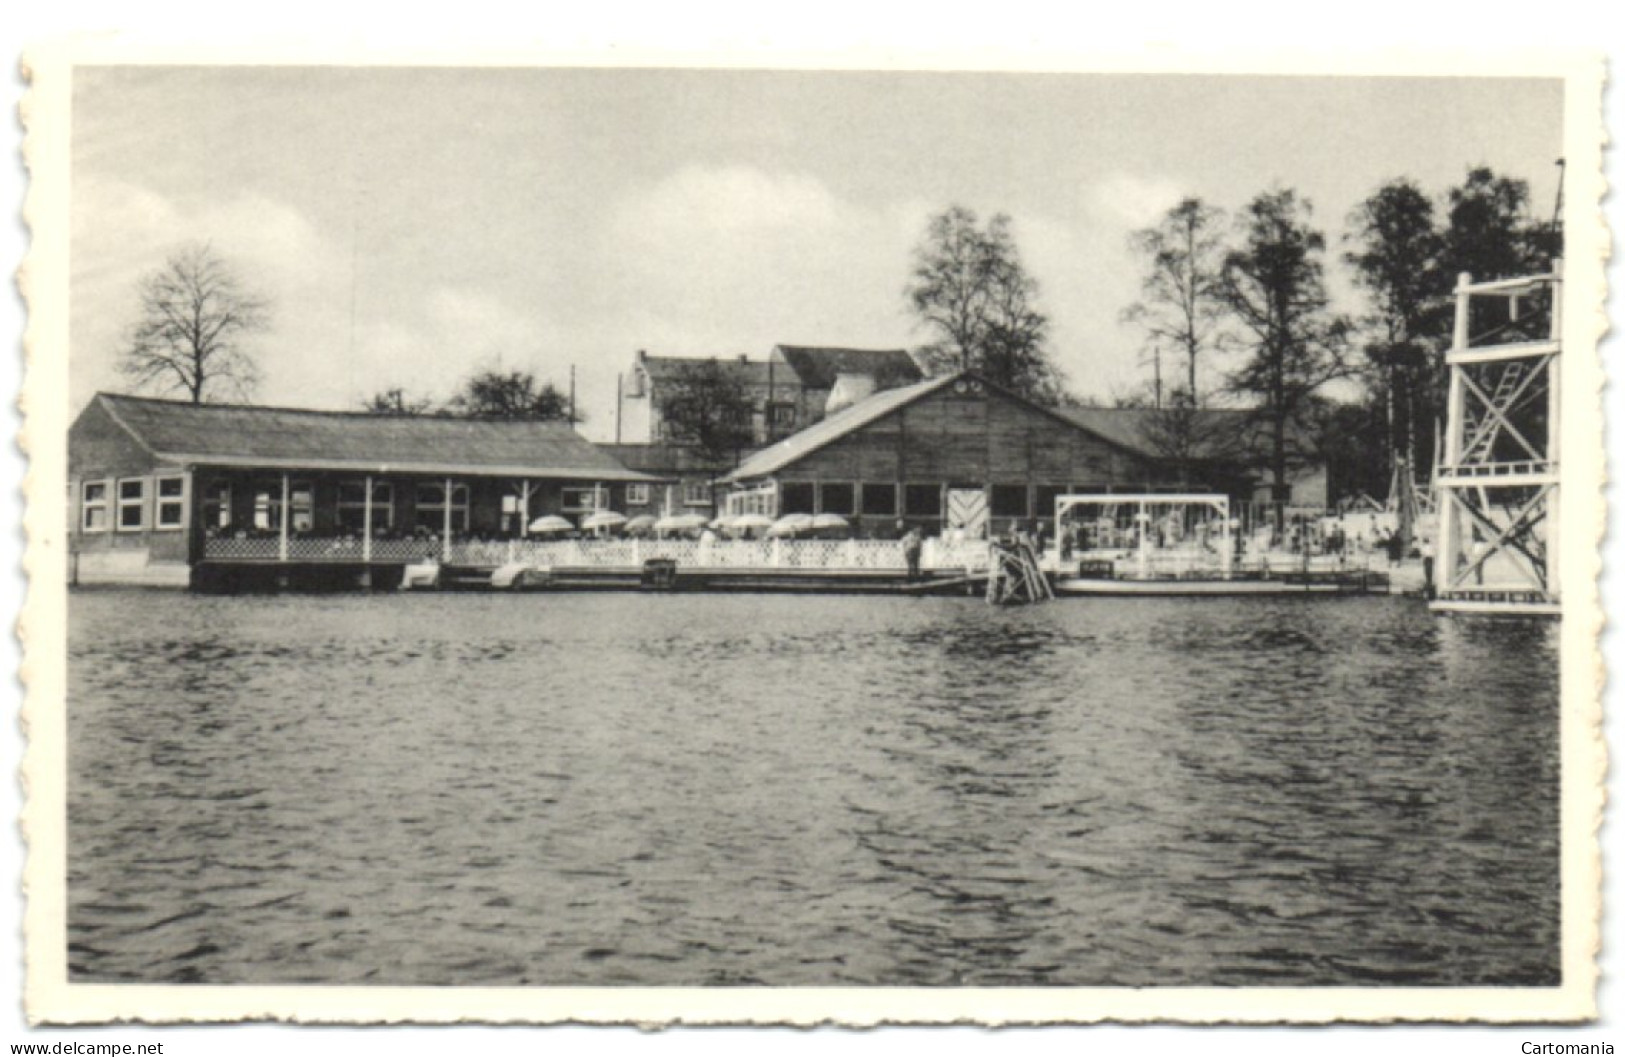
(410,226)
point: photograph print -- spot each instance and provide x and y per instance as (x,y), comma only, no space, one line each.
(1110,544)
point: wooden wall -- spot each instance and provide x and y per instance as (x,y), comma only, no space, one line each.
(972,439)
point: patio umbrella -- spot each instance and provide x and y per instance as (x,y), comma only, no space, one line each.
(722,521)
(641,525)
(750,523)
(829,521)
(791,524)
(602,519)
(549,524)
(680,523)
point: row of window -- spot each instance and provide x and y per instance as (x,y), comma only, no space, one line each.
(122,504)
(882,500)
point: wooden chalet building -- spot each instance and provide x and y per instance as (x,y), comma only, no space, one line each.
(950,452)
(169,492)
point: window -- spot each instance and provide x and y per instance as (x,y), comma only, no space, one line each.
(880,500)
(796,497)
(132,504)
(171,511)
(352,506)
(431,507)
(637,495)
(94,506)
(781,416)
(696,492)
(268,506)
(922,500)
(1009,500)
(217,505)
(1047,494)
(837,498)
(758,499)
(581,500)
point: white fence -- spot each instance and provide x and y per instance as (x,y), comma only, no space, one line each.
(876,555)
(940,555)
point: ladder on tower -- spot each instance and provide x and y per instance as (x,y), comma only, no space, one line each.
(1489,425)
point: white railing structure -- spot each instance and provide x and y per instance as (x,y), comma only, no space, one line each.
(968,557)
(1145,510)
(796,554)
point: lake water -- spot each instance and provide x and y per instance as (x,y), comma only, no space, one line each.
(709,789)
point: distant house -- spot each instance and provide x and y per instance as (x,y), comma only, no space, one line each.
(950,451)
(793,388)
(158,488)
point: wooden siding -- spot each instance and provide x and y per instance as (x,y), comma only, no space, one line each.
(969,439)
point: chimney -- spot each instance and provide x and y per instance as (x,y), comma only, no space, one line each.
(640,374)
(849,388)
(742,358)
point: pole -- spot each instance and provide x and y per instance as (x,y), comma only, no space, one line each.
(572,394)
(524,507)
(282,523)
(445,522)
(366,524)
(617,409)
(1554,434)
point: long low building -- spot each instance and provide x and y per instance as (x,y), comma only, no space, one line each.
(954,451)
(159,489)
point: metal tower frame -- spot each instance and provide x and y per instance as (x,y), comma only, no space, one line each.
(1497,487)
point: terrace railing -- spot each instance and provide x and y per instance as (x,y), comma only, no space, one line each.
(851,554)
(939,555)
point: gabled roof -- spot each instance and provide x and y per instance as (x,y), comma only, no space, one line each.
(1223,433)
(817,366)
(750,372)
(1136,427)
(250,435)
(665,458)
(799,445)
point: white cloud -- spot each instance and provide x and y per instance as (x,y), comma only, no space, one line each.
(1130,201)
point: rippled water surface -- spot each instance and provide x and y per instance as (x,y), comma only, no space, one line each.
(626,789)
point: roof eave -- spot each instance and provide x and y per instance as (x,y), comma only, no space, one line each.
(565,473)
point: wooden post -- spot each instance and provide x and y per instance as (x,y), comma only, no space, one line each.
(445,521)
(1447,547)
(1226,551)
(1554,436)
(1142,522)
(282,524)
(524,507)
(366,524)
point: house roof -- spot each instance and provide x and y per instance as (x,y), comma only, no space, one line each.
(817,366)
(248,435)
(665,459)
(1214,432)
(856,416)
(750,372)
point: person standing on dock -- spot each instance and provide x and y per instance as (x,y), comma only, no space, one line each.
(911,552)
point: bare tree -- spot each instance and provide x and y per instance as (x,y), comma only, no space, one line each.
(970,288)
(1180,306)
(195,319)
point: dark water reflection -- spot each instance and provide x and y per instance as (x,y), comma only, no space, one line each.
(461,789)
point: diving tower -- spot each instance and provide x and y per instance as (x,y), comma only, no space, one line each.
(1497,486)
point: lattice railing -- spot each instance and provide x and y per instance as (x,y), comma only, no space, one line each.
(877,555)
